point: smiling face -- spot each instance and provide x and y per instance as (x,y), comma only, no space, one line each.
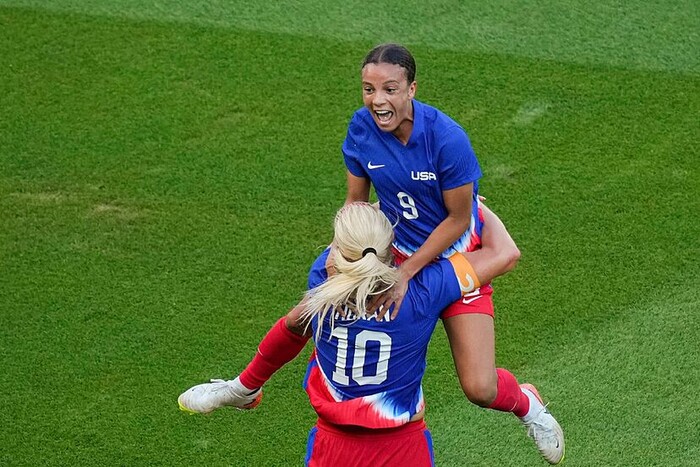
(388,96)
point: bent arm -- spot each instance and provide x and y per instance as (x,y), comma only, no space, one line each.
(498,254)
(358,188)
(458,202)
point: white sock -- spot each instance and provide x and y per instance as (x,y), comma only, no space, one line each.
(535,407)
(240,388)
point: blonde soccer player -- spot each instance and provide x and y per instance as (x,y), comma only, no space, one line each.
(364,379)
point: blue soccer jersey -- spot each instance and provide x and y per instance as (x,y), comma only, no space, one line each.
(368,372)
(409,179)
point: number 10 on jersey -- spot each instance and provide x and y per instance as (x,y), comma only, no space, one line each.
(357,371)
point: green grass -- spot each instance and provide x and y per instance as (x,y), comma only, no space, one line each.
(636,34)
(167,175)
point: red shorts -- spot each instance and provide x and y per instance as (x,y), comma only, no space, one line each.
(335,446)
(478,301)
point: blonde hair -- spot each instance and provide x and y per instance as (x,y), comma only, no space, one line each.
(362,258)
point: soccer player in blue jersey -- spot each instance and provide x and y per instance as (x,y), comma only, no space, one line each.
(364,380)
(425,174)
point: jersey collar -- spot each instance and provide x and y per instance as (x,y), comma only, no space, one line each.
(418,126)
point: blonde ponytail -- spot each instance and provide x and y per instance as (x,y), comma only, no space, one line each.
(362,258)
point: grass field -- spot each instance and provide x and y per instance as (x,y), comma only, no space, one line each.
(169,170)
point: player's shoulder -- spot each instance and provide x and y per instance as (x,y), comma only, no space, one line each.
(434,271)
(437,121)
(318,273)
(360,126)
(361,118)
(433,284)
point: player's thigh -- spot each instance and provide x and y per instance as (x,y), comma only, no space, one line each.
(472,341)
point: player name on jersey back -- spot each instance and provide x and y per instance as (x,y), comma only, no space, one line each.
(351,315)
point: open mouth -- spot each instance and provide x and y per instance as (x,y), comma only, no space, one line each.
(383,115)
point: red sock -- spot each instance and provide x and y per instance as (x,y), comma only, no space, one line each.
(278,347)
(509,397)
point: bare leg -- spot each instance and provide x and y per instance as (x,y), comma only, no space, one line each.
(472,341)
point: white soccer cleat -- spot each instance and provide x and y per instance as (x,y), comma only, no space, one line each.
(207,397)
(543,428)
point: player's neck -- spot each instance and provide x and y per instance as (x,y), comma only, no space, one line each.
(405,129)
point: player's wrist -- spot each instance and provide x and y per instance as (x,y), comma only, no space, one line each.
(406,271)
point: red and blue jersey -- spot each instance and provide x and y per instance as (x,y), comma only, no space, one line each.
(409,179)
(368,372)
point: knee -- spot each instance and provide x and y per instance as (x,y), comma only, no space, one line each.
(294,322)
(481,391)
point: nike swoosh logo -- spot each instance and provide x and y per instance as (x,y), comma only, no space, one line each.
(371,167)
(467,301)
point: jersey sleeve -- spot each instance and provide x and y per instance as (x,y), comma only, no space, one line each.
(436,287)
(457,161)
(318,273)
(351,145)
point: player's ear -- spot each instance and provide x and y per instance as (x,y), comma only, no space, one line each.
(412,90)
